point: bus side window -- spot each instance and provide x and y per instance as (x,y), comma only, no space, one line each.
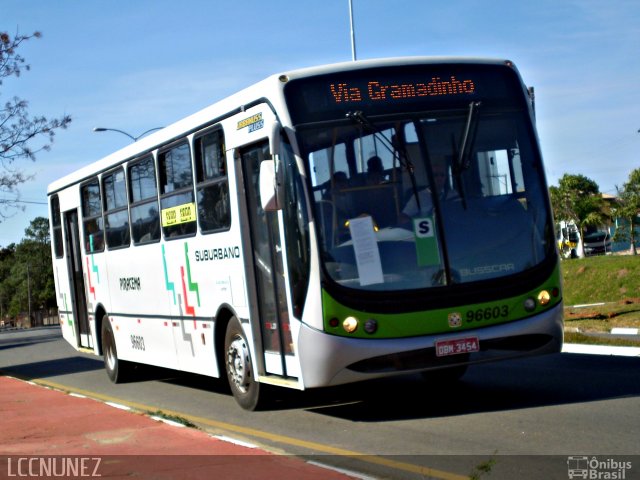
(92,216)
(56,224)
(212,183)
(143,196)
(176,192)
(116,212)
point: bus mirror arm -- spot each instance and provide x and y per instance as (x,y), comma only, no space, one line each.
(274,139)
(271,185)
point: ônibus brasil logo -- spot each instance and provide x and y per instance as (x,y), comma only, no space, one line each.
(596,468)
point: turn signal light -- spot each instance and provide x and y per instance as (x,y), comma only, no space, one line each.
(529,304)
(371,326)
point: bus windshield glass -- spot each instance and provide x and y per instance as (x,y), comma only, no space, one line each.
(427,198)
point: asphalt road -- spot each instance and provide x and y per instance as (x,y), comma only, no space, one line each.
(528,416)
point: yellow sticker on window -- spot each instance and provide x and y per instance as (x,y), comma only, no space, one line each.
(184,213)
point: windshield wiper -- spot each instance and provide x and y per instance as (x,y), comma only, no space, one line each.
(366,124)
(463,153)
(462,156)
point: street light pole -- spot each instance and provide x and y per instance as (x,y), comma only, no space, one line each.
(135,139)
(353,32)
(29,293)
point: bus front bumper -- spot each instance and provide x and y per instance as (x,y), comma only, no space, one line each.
(332,360)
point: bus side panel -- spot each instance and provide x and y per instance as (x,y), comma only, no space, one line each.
(140,305)
(192,325)
(203,272)
(212,267)
(209,271)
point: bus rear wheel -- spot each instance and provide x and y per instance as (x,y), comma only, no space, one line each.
(118,370)
(239,367)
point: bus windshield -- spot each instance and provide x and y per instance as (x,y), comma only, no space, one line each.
(428,200)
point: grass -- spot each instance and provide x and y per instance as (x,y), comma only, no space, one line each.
(611,280)
(172,418)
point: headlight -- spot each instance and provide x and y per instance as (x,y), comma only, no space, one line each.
(350,324)
(544,297)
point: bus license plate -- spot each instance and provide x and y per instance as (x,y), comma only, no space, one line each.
(457,346)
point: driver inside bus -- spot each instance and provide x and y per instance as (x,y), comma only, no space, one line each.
(375,171)
(440,171)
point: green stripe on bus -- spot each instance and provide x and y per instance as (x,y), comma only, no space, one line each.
(438,321)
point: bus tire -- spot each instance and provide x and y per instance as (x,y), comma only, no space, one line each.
(117,370)
(239,367)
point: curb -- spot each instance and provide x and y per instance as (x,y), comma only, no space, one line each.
(600,350)
(624,331)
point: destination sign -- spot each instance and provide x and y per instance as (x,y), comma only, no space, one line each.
(402,89)
(381,91)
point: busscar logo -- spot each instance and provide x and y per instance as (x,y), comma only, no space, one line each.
(582,466)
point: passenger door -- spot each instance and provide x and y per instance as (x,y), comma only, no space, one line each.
(76,278)
(268,267)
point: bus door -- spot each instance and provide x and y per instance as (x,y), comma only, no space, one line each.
(268,268)
(76,278)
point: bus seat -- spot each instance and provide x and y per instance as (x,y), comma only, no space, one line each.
(379,201)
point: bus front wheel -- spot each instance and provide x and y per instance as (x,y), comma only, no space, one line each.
(239,367)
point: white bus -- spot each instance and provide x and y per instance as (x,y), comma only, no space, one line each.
(324,226)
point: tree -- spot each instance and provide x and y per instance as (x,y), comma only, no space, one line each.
(577,199)
(6,261)
(18,130)
(26,269)
(627,209)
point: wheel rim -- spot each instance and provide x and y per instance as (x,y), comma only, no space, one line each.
(110,355)
(239,364)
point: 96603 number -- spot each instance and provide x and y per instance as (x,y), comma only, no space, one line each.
(488,313)
(137,342)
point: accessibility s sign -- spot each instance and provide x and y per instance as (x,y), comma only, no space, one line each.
(426,241)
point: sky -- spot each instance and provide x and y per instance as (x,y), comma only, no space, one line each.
(134,65)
